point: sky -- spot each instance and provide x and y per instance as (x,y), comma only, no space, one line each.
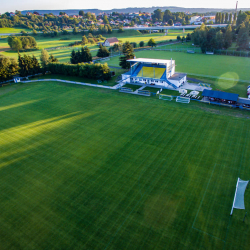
(12,5)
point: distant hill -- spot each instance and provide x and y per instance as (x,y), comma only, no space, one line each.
(142,9)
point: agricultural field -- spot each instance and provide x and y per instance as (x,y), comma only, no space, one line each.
(198,65)
(63,54)
(4,31)
(89,168)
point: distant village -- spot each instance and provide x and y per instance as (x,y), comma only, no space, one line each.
(37,21)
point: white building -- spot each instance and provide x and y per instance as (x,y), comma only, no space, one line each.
(154,72)
(195,19)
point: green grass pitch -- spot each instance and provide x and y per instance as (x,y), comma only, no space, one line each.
(88,168)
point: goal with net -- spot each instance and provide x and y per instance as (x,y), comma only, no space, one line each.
(239,195)
(182,99)
(165,97)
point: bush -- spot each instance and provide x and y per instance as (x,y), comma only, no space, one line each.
(141,44)
(134,44)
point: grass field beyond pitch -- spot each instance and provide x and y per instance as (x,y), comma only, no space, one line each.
(89,168)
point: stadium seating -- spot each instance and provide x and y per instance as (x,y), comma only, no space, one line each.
(151,72)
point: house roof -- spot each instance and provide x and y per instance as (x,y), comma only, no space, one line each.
(112,40)
(220,95)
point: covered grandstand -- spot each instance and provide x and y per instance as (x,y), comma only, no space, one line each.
(154,72)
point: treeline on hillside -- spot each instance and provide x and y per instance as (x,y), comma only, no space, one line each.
(88,70)
(169,17)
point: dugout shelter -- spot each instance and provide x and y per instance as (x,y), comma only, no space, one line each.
(154,72)
(219,96)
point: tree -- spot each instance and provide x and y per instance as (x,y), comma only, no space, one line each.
(128,53)
(44,58)
(120,30)
(141,44)
(85,55)
(230,18)
(16,44)
(8,68)
(170,22)
(188,38)
(222,17)
(167,15)
(34,32)
(243,17)
(217,17)
(219,40)
(52,59)
(228,37)
(35,66)
(73,57)
(25,65)
(75,31)
(151,42)
(105,19)
(84,40)
(157,15)
(243,37)
(81,13)
(226,17)
(102,52)
(178,38)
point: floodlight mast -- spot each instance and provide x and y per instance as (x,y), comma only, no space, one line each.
(236,8)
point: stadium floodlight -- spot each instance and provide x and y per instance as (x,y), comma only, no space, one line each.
(239,195)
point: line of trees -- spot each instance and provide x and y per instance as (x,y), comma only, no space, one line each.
(25,65)
(21,42)
(209,39)
(88,70)
(81,56)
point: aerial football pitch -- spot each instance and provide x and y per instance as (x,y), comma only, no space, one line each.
(88,168)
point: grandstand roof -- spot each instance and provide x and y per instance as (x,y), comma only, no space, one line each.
(149,60)
(220,95)
(177,76)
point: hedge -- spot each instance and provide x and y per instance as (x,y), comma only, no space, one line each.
(88,70)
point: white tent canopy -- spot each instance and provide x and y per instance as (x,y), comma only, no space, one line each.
(194,92)
(239,195)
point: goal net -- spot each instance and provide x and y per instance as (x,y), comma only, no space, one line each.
(239,195)
(182,99)
(127,90)
(165,97)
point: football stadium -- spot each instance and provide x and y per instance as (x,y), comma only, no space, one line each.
(154,72)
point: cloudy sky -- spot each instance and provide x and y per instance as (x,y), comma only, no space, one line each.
(12,5)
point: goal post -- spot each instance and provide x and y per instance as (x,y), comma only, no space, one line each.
(239,195)
(165,97)
(182,99)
